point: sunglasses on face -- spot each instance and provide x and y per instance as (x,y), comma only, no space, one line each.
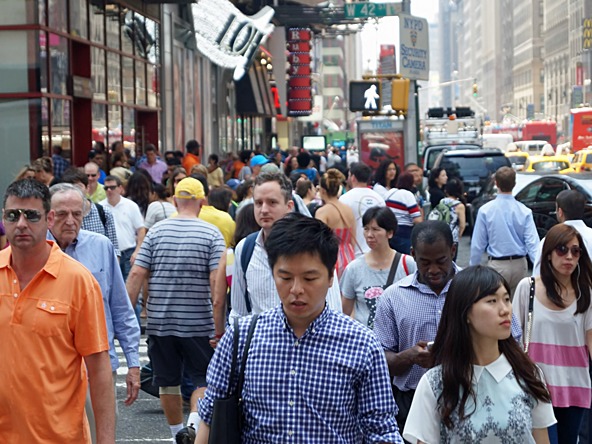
(110,187)
(562,250)
(91,175)
(15,214)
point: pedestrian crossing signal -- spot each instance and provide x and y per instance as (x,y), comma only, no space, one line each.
(365,96)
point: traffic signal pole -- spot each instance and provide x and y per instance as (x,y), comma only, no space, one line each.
(412,119)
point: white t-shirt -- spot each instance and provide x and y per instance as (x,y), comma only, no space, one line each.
(359,200)
(128,220)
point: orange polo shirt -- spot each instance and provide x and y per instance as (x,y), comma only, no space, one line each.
(45,330)
(189,160)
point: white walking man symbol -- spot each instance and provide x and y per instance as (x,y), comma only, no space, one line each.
(371,96)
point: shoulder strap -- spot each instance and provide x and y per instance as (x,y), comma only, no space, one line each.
(241,376)
(345,223)
(235,338)
(404,260)
(530,316)
(394,266)
(101,212)
(246,254)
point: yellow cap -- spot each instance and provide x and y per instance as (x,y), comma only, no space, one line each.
(189,188)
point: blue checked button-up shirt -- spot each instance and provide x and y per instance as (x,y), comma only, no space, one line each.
(331,385)
(92,222)
(409,312)
(96,253)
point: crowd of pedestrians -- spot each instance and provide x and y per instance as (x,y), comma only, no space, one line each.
(361,327)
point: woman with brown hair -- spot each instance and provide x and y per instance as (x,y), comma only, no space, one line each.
(338,217)
(559,335)
(177,176)
(483,389)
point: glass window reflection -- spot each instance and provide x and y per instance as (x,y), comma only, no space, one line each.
(58,63)
(97,24)
(57,15)
(127,73)
(154,86)
(129,127)
(20,61)
(78,20)
(112,26)
(140,83)
(114,123)
(18,12)
(98,73)
(127,33)
(60,123)
(99,123)
(113,76)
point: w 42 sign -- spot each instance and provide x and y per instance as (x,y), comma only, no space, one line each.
(370,10)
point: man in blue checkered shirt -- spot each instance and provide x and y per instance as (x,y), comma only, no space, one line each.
(313,375)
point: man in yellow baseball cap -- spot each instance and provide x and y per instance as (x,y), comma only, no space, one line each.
(189,188)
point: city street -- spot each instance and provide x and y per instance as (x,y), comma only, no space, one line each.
(144,420)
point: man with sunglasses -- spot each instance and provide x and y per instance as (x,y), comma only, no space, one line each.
(95,190)
(53,330)
(505,229)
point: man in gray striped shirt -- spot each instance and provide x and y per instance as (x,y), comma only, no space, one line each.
(181,256)
(272,196)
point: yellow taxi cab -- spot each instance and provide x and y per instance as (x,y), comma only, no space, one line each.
(548,164)
(518,159)
(582,160)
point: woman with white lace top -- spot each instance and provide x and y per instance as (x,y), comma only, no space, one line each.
(484,388)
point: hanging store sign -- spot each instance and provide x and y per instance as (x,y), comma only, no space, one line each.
(226,36)
(299,80)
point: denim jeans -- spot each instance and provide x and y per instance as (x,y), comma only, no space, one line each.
(124,262)
(568,424)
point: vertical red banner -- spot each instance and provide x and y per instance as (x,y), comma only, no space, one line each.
(299,80)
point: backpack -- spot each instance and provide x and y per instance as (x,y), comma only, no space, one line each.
(246,253)
(102,216)
(442,211)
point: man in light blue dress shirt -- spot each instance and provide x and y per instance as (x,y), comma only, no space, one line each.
(96,252)
(505,229)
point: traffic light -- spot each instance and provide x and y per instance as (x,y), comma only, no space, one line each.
(365,96)
(400,94)
(475,90)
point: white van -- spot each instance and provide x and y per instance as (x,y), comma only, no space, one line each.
(532,147)
(500,141)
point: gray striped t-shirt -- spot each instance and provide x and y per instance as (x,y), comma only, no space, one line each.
(180,254)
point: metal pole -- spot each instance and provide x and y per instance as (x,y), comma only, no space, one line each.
(411,124)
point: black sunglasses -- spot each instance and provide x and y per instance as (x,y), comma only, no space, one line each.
(562,250)
(110,187)
(15,214)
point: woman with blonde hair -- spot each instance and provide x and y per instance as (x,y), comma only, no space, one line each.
(556,317)
(337,216)
(26,172)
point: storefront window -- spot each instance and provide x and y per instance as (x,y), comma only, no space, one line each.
(45,126)
(99,123)
(112,25)
(98,73)
(114,123)
(42,12)
(153,86)
(113,77)
(97,25)
(57,15)
(58,62)
(20,61)
(129,125)
(18,12)
(127,33)
(43,61)
(140,83)
(152,48)
(188,93)
(78,21)
(60,123)
(127,73)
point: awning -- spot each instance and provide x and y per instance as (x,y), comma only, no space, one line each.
(253,93)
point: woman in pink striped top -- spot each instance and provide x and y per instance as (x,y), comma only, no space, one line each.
(561,335)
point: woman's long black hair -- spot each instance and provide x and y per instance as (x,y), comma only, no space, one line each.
(380,174)
(453,348)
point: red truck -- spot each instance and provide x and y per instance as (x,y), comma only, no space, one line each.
(581,128)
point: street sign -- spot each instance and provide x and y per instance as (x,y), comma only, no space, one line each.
(368,10)
(415,47)
(365,96)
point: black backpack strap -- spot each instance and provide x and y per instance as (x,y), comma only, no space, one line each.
(241,377)
(246,254)
(101,212)
(394,266)
(235,338)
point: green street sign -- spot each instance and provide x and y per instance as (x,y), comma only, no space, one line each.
(368,10)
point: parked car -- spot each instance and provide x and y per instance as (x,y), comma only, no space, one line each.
(582,160)
(474,168)
(432,152)
(518,159)
(548,164)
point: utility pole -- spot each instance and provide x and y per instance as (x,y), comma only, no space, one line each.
(412,118)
